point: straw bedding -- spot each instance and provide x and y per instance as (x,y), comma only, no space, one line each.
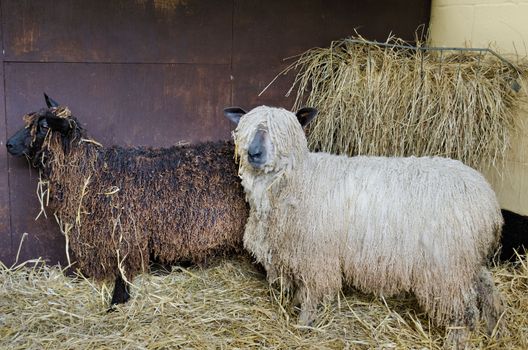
(228,305)
(398,102)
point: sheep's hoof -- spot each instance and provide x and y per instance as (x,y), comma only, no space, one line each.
(306,318)
(271,275)
(456,339)
(111,309)
(297,299)
(121,292)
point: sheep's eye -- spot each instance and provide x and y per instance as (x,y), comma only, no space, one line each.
(44,125)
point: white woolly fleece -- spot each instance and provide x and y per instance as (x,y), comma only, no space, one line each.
(384,225)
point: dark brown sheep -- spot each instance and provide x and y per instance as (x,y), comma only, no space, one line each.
(121,208)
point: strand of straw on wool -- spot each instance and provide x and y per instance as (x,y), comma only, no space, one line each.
(91,141)
(65,229)
(120,267)
(41,183)
(68,226)
(143,268)
(112,190)
(83,193)
(42,195)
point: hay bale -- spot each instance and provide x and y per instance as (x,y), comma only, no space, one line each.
(402,101)
(226,306)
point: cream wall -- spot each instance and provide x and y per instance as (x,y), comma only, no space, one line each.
(503,26)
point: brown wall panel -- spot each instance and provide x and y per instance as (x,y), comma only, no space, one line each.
(267,32)
(197,31)
(43,236)
(130,104)
(143,104)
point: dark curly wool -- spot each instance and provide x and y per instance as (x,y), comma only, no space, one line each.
(123,207)
(514,235)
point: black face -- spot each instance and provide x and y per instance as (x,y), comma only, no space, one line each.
(23,143)
(28,140)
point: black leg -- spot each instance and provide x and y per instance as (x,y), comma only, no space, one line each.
(121,293)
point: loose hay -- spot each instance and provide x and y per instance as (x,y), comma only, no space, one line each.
(400,101)
(226,306)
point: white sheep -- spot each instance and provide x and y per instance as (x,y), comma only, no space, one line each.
(383,225)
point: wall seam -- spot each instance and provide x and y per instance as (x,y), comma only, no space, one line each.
(121,63)
(231,73)
(9,202)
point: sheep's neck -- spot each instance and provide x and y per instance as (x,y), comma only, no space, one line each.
(67,171)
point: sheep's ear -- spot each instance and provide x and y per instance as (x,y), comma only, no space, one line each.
(61,125)
(306,115)
(50,102)
(234,114)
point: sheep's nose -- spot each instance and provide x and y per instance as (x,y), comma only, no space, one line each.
(254,153)
(11,148)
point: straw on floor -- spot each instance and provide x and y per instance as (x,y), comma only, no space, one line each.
(228,305)
(399,101)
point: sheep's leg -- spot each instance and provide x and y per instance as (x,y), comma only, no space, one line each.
(490,300)
(458,332)
(462,325)
(121,292)
(271,273)
(308,305)
(308,312)
(457,337)
(279,278)
(297,297)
